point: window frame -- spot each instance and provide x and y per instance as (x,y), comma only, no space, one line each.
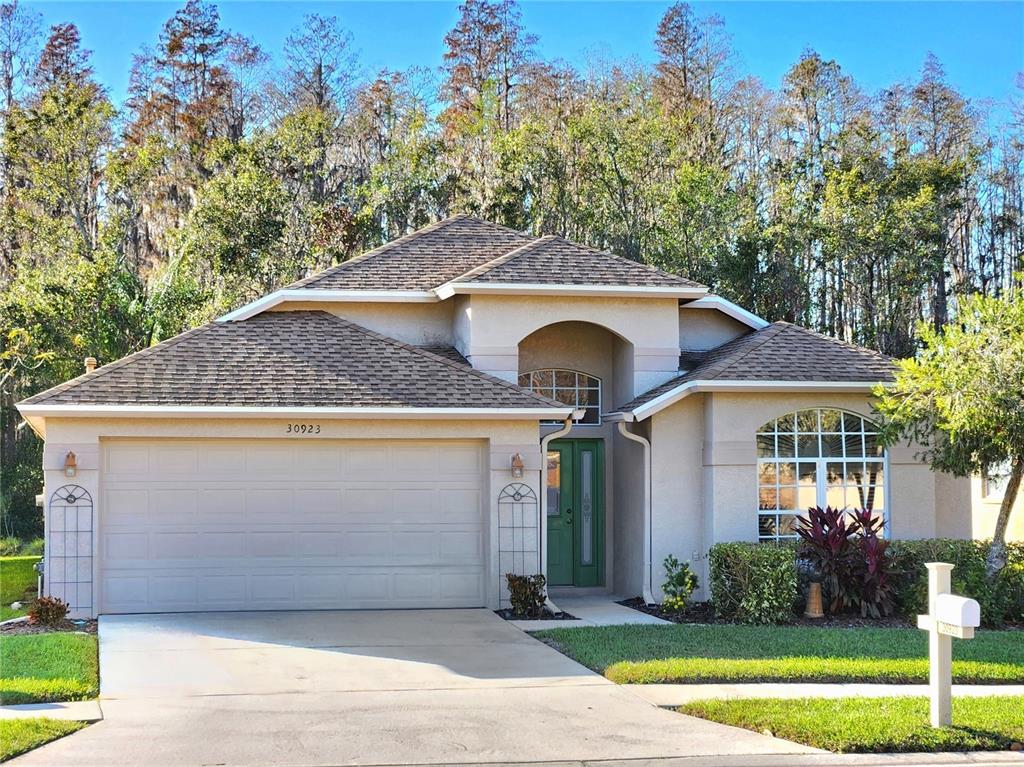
(821,463)
(599,389)
(988,492)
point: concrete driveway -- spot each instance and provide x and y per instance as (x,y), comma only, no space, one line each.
(380,687)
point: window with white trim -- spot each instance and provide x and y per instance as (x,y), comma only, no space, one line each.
(816,457)
(579,390)
(995,480)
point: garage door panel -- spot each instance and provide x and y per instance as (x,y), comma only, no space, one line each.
(301,525)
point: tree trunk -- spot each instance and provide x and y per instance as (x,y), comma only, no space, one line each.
(996,559)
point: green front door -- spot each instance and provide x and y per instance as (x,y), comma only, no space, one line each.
(575,509)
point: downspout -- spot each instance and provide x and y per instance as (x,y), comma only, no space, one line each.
(648,586)
(545,440)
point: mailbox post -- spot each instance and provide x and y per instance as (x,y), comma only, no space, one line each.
(948,616)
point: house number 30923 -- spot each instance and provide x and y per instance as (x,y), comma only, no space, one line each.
(303,428)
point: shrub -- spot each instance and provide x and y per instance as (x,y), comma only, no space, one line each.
(875,585)
(1001,600)
(827,543)
(33,548)
(753,582)
(47,611)
(9,546)
(526,593)
(680,583)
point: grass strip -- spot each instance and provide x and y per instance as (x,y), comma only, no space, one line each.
(874,725)
(20,735)
(40,668)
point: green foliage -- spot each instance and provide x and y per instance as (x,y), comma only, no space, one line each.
(9,546)
(1001,599)
(526,594)
(874,725)
(33,548)
(680,583)
(960,398)
(753,582)
(691,653)
(18,581)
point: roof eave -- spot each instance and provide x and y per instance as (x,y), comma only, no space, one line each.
(33,413)
(325,295)
(686,388)
(526,289)
(730,309)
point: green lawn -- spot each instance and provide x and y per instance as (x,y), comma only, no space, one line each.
(721,653)
(38,668)
(874,725)
(17,583)
(20,735)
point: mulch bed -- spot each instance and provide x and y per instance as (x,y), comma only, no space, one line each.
(546,616)
(703,612)
(24,627)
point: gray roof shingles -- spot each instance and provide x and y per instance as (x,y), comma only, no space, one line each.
(468,249)
(289,359)
(781,352)
(555,260)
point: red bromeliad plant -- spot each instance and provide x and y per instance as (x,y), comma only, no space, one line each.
(827,544)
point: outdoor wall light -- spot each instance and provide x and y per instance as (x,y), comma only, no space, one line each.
(70,465)
(517,466)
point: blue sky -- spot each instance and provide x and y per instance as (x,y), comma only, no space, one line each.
(981,44)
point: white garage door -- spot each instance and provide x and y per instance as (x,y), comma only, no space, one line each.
(270,524)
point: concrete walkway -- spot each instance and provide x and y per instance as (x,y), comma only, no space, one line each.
(365,688)
(593,611)
(678,694)
(78,711)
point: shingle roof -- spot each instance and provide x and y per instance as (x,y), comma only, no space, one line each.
(555,260)
(470,250)
(422,260)
(781,352)
(289,359)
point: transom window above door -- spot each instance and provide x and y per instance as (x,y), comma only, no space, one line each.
(816,457)
(580,390)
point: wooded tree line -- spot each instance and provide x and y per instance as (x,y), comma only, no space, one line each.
(227,173)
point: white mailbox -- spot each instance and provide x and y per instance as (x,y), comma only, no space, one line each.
(957,611)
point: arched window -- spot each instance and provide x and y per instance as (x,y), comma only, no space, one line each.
(579,390)
(817,457)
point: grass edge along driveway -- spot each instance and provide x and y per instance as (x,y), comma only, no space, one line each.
(874,725)
(18,736)
(639,654)
(42,668)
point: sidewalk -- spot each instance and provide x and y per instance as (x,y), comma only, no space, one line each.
(677,694)
(80,711)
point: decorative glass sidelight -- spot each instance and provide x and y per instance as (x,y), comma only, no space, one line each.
(586,507)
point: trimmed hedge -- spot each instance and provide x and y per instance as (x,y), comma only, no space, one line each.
(757,582)
(753,582)
(1001,601)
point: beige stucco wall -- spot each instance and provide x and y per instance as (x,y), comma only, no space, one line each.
(705,480)
(421,324)
(703,329)
(985,509)
(84,437)
(497,324)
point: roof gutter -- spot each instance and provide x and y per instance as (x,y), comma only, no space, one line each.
(244,411)
(687,388)
(284,295)
(530,289)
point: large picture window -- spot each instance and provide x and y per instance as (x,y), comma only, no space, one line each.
(817,457)
(579,390)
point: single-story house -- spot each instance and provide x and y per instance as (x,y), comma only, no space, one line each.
(467,401)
